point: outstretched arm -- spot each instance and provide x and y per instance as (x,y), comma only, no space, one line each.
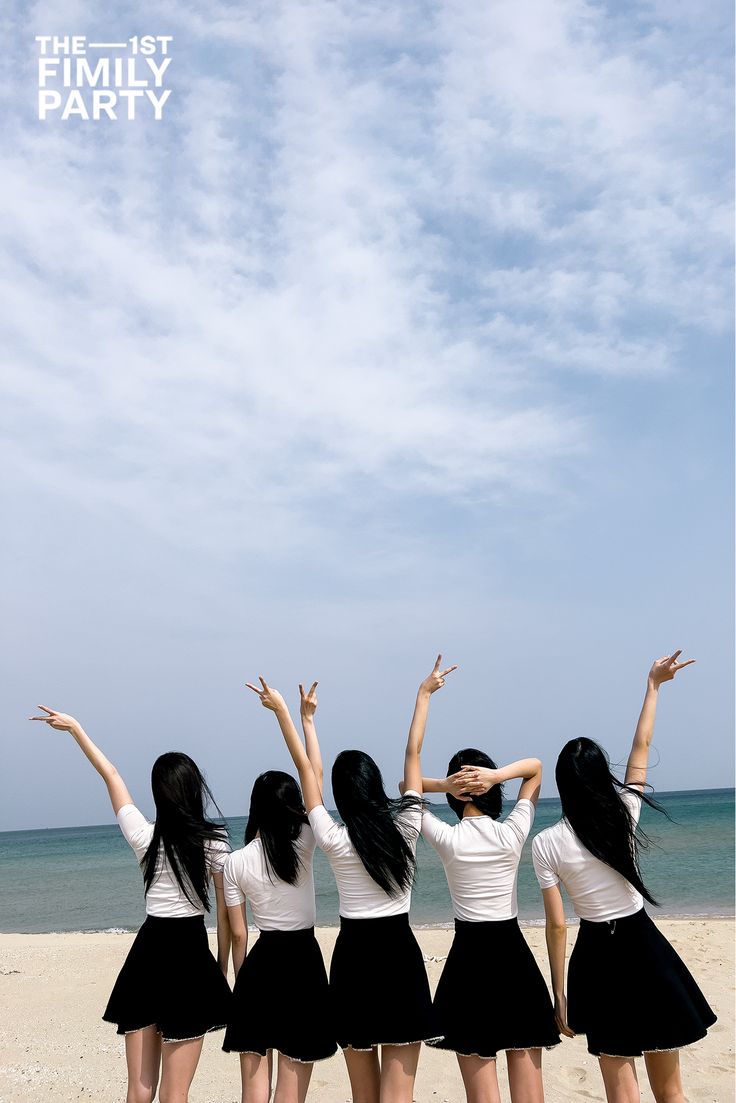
(412,766)
(272,700)
(307,709)
(61,721)
(663,670)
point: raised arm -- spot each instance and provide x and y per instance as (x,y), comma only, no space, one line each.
(271,699)
(663,670)
(61,721)
(473,780)
(412,765)
(307,709)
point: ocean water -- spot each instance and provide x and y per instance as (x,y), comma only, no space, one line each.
(87,879)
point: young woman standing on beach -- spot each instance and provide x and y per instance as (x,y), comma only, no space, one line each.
(481,856)
(378,984)
(274,872)
(628,990)
(170,991)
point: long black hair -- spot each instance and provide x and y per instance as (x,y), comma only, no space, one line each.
(277,814)
(488,803)
(181,796)
(370,816)
(592,805)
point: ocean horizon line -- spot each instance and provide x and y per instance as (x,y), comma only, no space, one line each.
(661,793)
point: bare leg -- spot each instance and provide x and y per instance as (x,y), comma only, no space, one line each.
(480,1079)
(398,1073)
(525,1075)
(143,1058)
(619,1079)
(255,1077)
(663,1070)
(178,1066)
(292,1081)
(365,1075)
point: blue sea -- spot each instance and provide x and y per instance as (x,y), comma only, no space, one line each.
(87,879)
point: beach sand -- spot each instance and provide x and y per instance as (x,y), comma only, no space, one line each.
(53,1044)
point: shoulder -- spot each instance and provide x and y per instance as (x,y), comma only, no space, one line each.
(216,851)
(135,827)
(546,839)
(518,823)
(328,833)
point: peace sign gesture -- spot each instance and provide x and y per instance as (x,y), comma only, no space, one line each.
(59,720)
(436,679)
(270,698)
(308,705)
(664,669)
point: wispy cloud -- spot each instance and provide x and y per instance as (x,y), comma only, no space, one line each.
(358,250)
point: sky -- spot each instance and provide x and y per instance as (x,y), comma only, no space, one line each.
(407,329)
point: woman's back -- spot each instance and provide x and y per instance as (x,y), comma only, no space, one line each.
(275,904)
(481,858)
(360,896)
(165,897)
(597,891)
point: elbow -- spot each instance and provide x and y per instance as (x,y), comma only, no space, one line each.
(556,927)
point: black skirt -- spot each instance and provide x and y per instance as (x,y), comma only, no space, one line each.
(630,992)
(170,980)
(493,957)
(264,1015)
(378,985)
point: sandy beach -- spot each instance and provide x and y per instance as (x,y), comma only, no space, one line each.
(54,1045)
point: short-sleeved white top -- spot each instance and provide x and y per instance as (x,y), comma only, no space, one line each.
(481,858)
(275,905)
(360,896)
(596,891)
(165,898)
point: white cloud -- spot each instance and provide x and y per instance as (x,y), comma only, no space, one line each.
(359,263)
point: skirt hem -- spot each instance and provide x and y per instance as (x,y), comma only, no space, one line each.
(368,1049)
(500,1049)
(296,1060)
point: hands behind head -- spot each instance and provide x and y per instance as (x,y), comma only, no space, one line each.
(436,679)
(471,781)
(664,669)
(270,698)
(308,702)
(59,720)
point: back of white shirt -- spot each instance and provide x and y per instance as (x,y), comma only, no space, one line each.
(165,898)
(597,891)
(481,858)
(360,896)
(274,904)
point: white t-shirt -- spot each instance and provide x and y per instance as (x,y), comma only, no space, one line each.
(275,905)
(596,891)
(360,896)
(481,858)
(165,898)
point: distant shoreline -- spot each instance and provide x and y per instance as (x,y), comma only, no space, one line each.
(658,794)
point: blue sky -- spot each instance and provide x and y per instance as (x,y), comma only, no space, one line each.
(407,329)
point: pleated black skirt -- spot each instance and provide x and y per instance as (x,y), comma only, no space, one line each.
(378,985)
(264,1013)
(630,992)
(170,980)
(492,957)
